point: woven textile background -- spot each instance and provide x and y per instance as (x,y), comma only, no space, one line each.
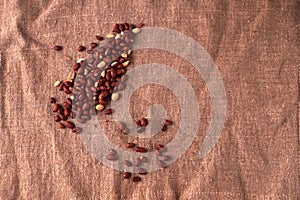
(255,46)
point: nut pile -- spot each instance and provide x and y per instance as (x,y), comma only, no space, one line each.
(99,78)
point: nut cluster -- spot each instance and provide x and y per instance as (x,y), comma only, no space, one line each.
(99,77)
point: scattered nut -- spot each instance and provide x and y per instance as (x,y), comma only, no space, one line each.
(57,83)
(126,63)
(58,48)
(80,60)
(114,64)
(99,107)
(124,55)
(117,36)
(136,30)
(115,96)
(81,48)
(71,76)
(110,35)
(101,64)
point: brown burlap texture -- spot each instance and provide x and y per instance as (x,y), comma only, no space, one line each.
(256,49)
